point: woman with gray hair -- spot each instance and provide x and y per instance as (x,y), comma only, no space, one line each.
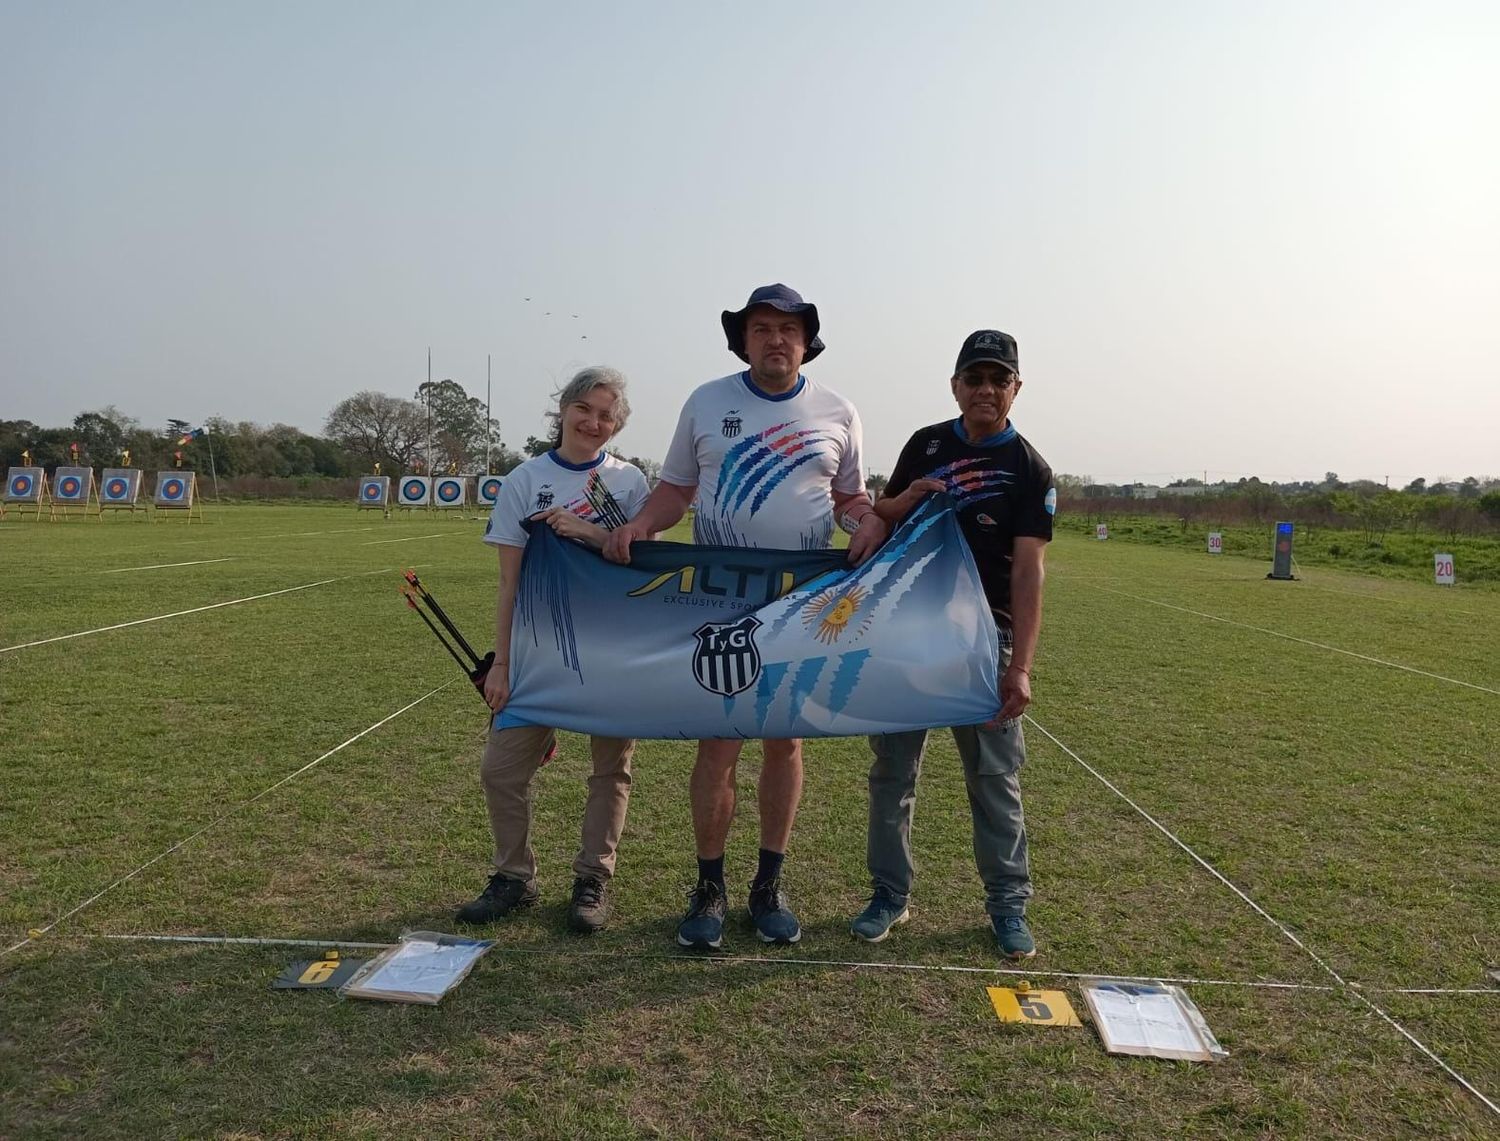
(581,492)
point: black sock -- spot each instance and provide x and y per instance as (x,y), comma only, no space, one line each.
(770,867)
(712,871)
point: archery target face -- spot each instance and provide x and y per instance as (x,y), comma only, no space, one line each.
(449,492)
(173,489)
(373,490)
(71,484)
(414,490)
(23,484)
(489,489)
(119,485)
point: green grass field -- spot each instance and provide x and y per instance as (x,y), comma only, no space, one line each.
(1351,799)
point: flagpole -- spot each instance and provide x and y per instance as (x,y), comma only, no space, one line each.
(427,459)
(213,467)
(488,431)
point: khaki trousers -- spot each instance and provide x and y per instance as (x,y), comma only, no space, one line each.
(511,759)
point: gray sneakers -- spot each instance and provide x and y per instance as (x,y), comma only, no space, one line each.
(1013,936)
(882,913)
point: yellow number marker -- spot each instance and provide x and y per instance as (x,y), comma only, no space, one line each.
(319,971)
(1038,1007)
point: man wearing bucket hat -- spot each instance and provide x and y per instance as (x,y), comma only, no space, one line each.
(774,460)
(1003,493)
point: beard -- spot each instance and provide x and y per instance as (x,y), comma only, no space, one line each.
(776,368)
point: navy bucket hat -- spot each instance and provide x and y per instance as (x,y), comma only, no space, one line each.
(777,296)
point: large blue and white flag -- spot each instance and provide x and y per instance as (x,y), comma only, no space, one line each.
(698,641)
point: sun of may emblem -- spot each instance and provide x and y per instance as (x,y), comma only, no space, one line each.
(830,612)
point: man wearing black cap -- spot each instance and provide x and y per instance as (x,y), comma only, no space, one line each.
(775,461)
(1003,493)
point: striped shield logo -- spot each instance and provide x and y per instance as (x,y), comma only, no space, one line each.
(726,661)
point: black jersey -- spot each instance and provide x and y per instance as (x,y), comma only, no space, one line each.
(1001,487)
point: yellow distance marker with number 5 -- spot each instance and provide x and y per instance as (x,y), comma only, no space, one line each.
(1038,1007)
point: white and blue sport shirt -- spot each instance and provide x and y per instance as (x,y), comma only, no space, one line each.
(763,464)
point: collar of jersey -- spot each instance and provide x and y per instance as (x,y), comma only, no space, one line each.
(764,395)
(1002,437)
(560,462)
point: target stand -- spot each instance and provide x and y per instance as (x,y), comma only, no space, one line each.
(177,491)
(1281,555)
(74,492)
(120,490)
(487,490)
(374,494)
(26,488)
(414,493)
(451,493)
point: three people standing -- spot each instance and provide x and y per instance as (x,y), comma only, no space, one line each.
(775,460)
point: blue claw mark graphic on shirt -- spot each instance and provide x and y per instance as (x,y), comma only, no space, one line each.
(969,480)
(758,464)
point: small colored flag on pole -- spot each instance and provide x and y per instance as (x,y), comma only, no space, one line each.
(692,642)
(189,436)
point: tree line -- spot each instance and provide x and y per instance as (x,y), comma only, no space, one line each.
(1452,508)
(440,429)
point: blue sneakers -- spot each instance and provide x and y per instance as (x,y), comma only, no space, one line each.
(773,920)
(1013,936)
(882,913)
(702,928)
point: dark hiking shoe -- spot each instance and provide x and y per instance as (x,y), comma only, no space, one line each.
(500,897)
(589,910)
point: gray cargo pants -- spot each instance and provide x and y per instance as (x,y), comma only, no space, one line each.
(992,761)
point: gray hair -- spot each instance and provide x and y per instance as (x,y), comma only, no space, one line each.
(584,382)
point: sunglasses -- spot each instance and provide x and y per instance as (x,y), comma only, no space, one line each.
(970,380)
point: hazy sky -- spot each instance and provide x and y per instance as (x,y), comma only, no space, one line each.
(1248,238)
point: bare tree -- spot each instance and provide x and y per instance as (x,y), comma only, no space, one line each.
(378,428)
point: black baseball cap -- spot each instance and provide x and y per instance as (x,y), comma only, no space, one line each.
(777,296)
(988,345)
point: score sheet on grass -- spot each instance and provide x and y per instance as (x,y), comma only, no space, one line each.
(696,641)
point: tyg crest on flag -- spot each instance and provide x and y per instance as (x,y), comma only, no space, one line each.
(726,660)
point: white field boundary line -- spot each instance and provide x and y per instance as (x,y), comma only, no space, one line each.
(310,534)
(1343,984)
(194,610)
(240,537)
(777,961)
(161,566)
(410,538)
(1294,638)
(243,538)
(262,941)
(37,933)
